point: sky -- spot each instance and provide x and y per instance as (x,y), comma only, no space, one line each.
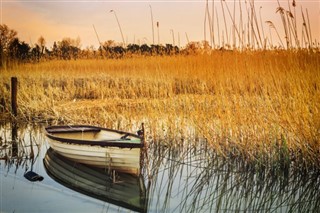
(179,21)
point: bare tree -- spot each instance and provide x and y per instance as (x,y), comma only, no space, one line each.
(7,36)
(69,48)
(42,44)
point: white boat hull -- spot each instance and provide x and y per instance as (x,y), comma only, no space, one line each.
(121,159)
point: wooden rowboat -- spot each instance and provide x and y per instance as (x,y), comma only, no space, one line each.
(99,147)
(128,192)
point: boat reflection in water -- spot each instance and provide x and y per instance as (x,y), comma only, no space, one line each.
(127,191)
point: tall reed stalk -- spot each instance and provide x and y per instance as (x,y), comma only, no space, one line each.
(152,28)
(115,15)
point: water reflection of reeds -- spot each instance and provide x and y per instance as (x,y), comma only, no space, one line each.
(193,178)
(20,145)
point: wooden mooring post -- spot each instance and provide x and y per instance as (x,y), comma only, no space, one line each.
(14,138)
(2,105)
(14,91)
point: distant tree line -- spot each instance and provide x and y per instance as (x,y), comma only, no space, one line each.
(110,49)
(12,49)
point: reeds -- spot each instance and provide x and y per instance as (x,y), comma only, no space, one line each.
(243,26)
(195,179)
(19,147)
(243,104)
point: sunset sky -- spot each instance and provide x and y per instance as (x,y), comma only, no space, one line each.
(55,20)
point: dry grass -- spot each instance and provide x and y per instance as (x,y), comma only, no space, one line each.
(263,106)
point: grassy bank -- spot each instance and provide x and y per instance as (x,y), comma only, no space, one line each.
(262,106)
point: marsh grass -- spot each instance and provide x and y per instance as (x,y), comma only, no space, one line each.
(195,178)
(262,106)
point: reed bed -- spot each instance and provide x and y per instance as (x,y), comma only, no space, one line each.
(195,178)
(260,105)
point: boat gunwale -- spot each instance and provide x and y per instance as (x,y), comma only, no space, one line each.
(101,143)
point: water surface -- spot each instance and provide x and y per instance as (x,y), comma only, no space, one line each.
(180,178)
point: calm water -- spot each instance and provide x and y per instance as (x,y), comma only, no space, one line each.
(174,179)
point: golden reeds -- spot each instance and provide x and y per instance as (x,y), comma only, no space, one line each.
(245,103)
(247,32)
